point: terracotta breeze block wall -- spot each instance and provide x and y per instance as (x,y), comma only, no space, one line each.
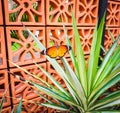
(44,19)
(113,21)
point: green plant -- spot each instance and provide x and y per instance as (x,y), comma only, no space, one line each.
(86,84)
(2,101)
(19,107)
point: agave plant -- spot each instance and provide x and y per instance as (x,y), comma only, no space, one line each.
(85,84)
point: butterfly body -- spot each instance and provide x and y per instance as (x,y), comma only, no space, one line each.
(56,51)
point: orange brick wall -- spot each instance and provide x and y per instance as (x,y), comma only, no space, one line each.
(44,17)
(112,22)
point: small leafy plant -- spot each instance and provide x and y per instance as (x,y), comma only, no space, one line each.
(86,84)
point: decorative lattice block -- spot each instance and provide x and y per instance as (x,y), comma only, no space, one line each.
(108,41)
(30,12)
(4,87)
(29,107)
(23,90)
(113,13)
(1,19)
(22,47)
(86,35)
(87,12)
(6,110)
(58,11)
(2,49)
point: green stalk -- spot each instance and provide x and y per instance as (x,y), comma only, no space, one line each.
(80,57)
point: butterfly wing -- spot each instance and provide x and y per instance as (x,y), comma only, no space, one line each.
(51,52)
(56,51)
(63,49)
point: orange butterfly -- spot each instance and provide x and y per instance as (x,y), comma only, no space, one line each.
(56,51)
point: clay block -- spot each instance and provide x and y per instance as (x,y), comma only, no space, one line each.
(87,12)
(30,106)
(22,47)
(113,14)
(6,110)
(108,41)
(86,35)
(4,87)
(2,49)
(27,11)
(1,19)
(24,90)
(58,11)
